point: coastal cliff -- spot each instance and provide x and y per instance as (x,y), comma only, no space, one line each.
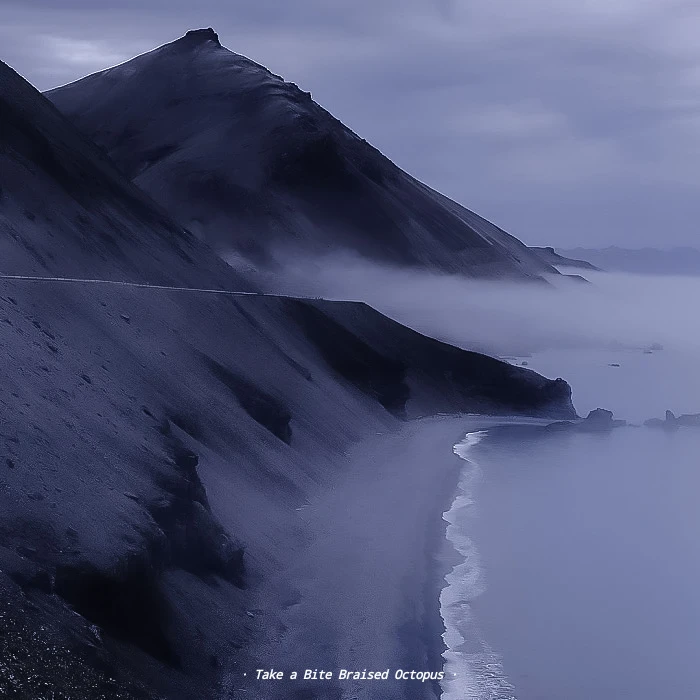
(157,444)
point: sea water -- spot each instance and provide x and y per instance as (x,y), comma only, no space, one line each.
(581,552)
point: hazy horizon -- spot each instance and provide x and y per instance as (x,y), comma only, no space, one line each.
(569,127)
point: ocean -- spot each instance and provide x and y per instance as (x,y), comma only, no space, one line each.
(580,556)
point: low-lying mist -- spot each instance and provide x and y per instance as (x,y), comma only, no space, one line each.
(508,318)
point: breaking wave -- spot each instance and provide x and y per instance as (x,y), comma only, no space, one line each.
(473,670)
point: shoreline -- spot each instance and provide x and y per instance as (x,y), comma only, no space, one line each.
(443,557)
(364,588)
(365,592)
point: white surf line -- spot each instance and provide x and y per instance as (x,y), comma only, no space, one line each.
(140,285)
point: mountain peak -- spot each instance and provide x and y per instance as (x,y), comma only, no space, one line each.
(201,36)
(275,169)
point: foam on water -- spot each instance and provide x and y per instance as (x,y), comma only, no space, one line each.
(473,670)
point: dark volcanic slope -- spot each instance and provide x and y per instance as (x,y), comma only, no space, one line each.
(154,445)
(118,406)
(249,161)
(66,210)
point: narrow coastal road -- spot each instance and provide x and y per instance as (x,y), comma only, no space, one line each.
(76,280)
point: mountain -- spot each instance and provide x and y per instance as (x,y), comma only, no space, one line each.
(671,261)
(66,210)
(551,257)
(253,165)
(156,444)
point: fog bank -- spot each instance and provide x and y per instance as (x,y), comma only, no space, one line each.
(506,318)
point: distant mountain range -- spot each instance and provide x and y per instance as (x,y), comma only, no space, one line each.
(551,257)
(672,261)
(254,166)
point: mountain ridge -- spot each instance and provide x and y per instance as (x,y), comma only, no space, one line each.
(102,216)
(252,164)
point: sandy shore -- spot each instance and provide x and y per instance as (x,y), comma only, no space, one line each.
(364,593)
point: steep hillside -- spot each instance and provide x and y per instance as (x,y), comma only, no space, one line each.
(117,402)
(252,164)
(156,445)
(66,210)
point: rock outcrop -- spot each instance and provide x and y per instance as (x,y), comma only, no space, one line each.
(551,257)
(599,420)
(672,422)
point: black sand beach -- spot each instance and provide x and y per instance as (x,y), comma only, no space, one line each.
(368,584)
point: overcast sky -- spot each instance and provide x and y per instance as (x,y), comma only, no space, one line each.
(563,121)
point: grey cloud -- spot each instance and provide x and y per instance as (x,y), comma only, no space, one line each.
(563,122)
